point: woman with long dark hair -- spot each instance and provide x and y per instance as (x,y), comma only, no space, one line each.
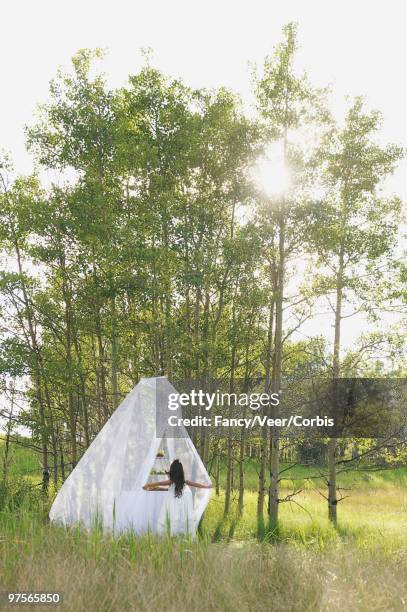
(176,515)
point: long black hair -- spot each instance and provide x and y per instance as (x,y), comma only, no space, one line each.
(177,477)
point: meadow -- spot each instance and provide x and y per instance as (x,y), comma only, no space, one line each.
(169,229)
(307,565)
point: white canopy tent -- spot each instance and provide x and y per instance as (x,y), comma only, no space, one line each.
(106,484)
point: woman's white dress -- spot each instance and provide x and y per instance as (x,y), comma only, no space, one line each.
(177,513)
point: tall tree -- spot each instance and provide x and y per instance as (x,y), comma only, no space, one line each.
(353,229)
(287,106)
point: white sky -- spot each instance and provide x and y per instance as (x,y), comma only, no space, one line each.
(359,46)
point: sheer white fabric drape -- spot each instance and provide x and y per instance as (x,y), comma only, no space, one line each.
(106,485)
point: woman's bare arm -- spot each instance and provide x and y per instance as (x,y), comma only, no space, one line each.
(198,485)
(150,486)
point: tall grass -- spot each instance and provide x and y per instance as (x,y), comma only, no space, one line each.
(233,564)
(95,571)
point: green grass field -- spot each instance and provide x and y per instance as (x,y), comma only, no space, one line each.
(308,565)
(310,568)
(23,461)
(297,477)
